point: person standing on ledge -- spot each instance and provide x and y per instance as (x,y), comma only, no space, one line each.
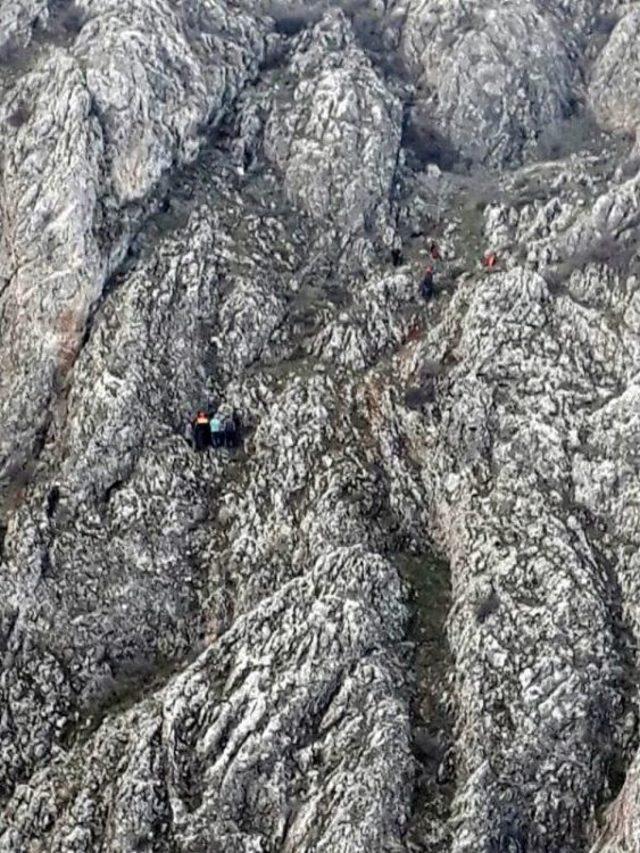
(426,287)
(201,431)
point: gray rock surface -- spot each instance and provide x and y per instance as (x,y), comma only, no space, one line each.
(337,137)
(16,20)
(96,126)
(494,75)
(402,615)
(613,87)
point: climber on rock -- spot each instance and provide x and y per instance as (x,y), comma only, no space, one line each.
(201,431)
(217,431)
(230,432)
(426,288)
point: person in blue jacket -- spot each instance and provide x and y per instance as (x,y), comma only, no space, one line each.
(217,431)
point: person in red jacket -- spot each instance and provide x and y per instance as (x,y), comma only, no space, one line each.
(490,260)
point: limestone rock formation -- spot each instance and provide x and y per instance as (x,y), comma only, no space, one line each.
(95,126)
(402,613)
(337,138)
(493,74)
(614,86)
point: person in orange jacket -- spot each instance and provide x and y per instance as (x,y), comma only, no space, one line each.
(201,431)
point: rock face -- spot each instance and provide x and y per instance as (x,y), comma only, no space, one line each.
(402,613)
(614,85)
(95,126)
(494,74)
(337,138)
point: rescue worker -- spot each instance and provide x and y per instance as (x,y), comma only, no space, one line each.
(201,431)
(217,431)
(426,288)
(230,432)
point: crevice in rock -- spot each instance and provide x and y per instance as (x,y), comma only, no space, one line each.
(126,689)
(427,576)
(113,489)
(627,741)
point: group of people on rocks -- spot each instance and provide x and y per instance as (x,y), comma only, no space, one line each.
(209,429)
(489,261)
(213,429)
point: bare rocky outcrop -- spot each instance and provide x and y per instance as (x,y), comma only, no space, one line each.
(402,613)
(613,87)
(212,761)
(98,126)
(337,138)
(493,75)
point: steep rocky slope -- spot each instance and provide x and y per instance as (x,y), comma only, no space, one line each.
(403,614)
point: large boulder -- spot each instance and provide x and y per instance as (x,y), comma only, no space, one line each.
(492,76)
(337,140)
(614,89)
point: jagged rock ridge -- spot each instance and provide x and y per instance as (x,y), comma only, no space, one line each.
(219,202)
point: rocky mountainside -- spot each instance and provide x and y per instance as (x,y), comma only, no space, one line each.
(404,614)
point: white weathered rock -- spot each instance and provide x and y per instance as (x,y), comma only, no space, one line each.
(493,75)
(615,81)
(337,137)
(214,651)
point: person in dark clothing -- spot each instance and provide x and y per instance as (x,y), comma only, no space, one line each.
(511,836)
(426,288)
(434,251)
(230,432)
(201,431)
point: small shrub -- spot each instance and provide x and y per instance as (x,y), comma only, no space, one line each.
(425,142)
(417,397)
(292,18)
(19,117)
(14,56)
(570,136)
(65,19)
(73,20)
(605,25)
